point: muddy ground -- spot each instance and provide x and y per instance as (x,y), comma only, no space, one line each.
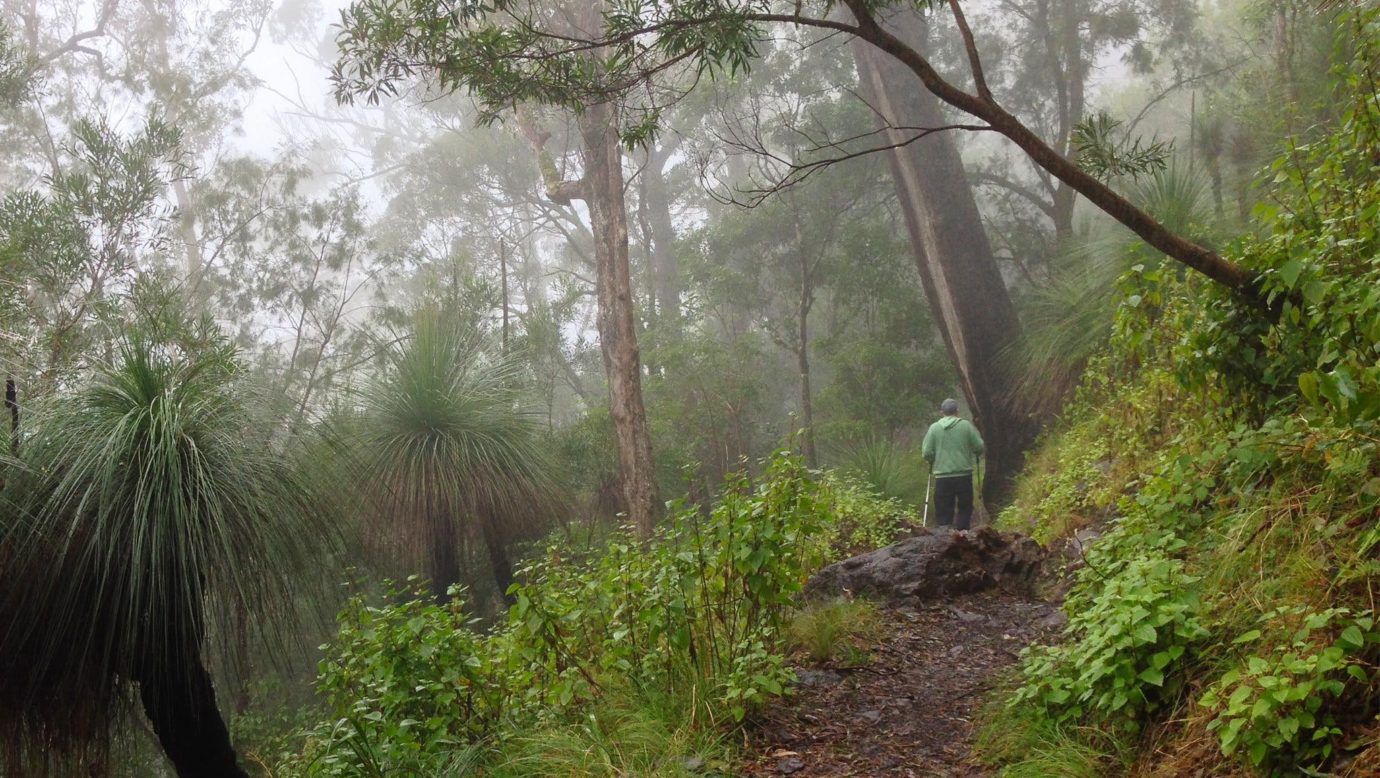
(909,709)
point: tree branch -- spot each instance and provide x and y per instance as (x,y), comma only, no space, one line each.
(797,172)
(558,190)
(983,177)
(1203,260)
(72,44)
(970,45)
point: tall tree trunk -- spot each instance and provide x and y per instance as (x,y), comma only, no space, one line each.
(603,192)
(802,353)
(186,222)
(665,273)
(962,283)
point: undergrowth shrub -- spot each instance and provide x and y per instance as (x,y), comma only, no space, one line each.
(860,517)
(1135,616)
(1273,707)
(412,686)
(683,634)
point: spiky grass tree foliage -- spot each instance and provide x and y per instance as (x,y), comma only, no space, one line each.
(893,470)
(449,457)
(146,506)
(1069,319)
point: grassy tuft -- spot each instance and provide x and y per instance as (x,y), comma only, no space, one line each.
(630,732)
(835,629)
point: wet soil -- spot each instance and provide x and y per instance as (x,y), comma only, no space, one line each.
(908,709)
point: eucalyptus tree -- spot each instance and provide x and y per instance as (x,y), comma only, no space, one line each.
(958,269)
(1047,55)
(295,270)
(783,257)
(181,63)
(72,253)
(374,34)
(145,504)
(446,454)
(655,224)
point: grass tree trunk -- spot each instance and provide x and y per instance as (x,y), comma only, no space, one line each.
(180,703)
(962,282)
(500,561)
(603,192)
(443,556)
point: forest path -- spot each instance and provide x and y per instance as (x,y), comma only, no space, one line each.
(909,711)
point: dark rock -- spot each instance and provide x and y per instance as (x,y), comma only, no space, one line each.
(967,617)
(807,676)
(1054,621)
(944,563)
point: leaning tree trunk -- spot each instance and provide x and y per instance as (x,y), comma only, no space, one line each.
(603,192)
(962,283)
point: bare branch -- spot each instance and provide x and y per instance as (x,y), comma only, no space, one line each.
(797,172)
(1002,182)
(970,45)
(73,44)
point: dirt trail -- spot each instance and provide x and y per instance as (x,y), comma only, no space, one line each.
(909,711)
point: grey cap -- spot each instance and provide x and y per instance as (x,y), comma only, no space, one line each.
(949,407)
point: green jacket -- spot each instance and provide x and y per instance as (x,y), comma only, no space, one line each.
(952,446)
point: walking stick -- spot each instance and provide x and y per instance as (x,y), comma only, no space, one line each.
(982,503)
(925,520)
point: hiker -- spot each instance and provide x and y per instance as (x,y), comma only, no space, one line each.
(952,447)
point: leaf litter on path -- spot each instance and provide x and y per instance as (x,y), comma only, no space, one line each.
(909,711)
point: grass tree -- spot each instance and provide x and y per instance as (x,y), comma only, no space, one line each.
(1068,318)
(144,508)
(448,455)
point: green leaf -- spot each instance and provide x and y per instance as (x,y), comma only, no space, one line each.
(1145,633)
(1288,727)
(1351,638)
(1289,272)
(1308,386)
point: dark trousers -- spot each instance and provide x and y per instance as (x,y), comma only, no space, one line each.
(952,491)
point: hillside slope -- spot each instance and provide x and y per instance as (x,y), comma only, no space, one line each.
(1224,622)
